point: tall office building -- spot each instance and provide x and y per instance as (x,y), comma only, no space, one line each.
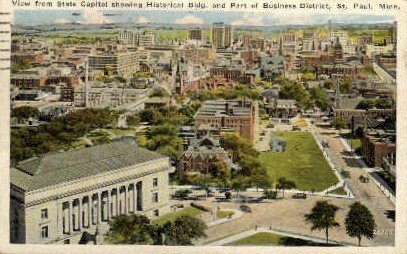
(195,33)
(222,35)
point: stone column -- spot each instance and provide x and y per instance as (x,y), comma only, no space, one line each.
(108,199)
(79,214)
(99,211)
(134,197)
(126,207)
(60,218)
(70,218)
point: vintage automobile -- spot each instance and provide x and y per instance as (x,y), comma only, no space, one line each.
(299,195)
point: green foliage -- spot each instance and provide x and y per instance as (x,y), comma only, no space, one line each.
(237,91)
(121,79)
(20,65)
(238,146)
(129,229)
(159,92)
(328,84)
(133,120)
(339,123)
(269,194)
(142,74)
(296,91)
(284,184)
(359,222)
(374,103)
(320,98)
(345,85)
(322,217)
(24,113)
(58,133)
(183,230)
(164,139)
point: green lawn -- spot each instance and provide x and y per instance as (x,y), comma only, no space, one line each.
(339,191)
(302,162)
(224,214)
(192,211)
(266,238)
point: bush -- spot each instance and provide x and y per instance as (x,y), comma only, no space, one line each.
(270,194)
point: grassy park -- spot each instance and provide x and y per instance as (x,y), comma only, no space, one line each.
(224,214)
(192,211)
(301,162)
(268,238)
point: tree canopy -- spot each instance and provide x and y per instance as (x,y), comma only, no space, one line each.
(359,222)
(322,217)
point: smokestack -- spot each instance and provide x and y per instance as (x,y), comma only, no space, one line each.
(86,82)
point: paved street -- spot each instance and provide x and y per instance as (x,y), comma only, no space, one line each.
(288,214)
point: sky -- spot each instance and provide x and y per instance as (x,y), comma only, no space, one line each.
(191,18)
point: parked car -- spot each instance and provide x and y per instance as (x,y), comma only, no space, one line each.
(364,179)
(270,125)
(245,208)
(300,196)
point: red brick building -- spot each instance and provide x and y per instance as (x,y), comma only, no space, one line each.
(379,147)
(241,116)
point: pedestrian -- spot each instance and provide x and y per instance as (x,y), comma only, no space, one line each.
(255,227)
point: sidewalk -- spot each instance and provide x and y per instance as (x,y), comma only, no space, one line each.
(248,233)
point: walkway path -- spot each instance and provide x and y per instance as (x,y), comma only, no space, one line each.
(250,232)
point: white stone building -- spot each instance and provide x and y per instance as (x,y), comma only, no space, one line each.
(65,197)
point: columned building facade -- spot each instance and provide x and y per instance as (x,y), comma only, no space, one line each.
(67,197)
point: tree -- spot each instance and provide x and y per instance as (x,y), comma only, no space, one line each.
(159,92)
(320,98)
(359,222)
(183,230)
(328,84)
(133,119)
(322,217)
(366,104)
(240,183)
(339,123)
(23,113)
(129,229)
(284,184)
(345,85)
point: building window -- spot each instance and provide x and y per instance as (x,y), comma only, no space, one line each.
(155,197)
(44,213)
(155,182)
(44,232)
(156,213)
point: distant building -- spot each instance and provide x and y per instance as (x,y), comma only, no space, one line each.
(222,35)
(160,102)
(123,64)
(195,33)
(379,148)
(101,97)
(67,196)
(137,37)
(241,116)
(201,155)
(283,109)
